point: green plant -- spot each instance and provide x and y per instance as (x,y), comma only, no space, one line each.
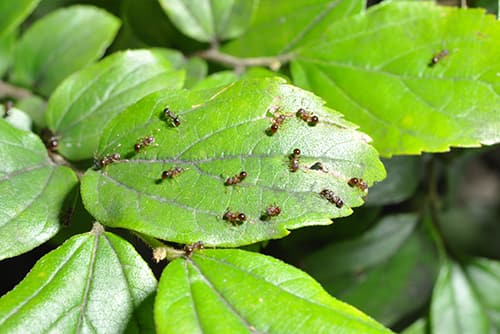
(200,139)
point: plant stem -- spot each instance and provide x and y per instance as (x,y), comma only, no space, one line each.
(160,250)
(8,90)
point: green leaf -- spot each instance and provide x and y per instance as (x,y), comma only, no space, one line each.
(210,20)
(291,24)
(7,43)
(196,70)
(234,291)
(218,79)
(85,102)
(73,38)
(13,13)
(95,282)
(418,327)
(32,191)
(223,132)
(35,107)
(456,307)
(416,106)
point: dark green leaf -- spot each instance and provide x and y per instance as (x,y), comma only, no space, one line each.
(282,26)
(93,283)
(223,131)
(13,13)
(416,106)
(7,43)
(233,291)
(32,191)
(210,20)
(85,102)
(73,37)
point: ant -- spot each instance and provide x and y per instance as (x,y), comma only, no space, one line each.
(277,121)
(294,160)
(108,159)
(234,217)
(144,142)
(358,183)
(307,117)
(332,198)
(271,211)
(171,173)
(437,57)
(190,249)
(168,114)
(50,140)
(235,179)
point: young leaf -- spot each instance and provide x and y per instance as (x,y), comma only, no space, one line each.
(435,70)
(210,20)
(95,282)
(223,132)
(73,37)
(85,102)
(235,291)
(291,23)
(13,13)
(32,191)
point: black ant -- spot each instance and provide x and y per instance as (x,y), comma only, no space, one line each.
(271,211)
(307,117)
(437,57)
(108,159)
(171,173)
(294,160)
(190,249)
(332,198)
(235,179)
(50,140)
(144,142)
(171,116)
(234,217)
(358,183)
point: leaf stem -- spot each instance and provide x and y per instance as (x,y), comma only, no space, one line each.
(160,250)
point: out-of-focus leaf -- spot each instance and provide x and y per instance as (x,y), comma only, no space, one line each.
(403,177)
(217,79)
(210,20)
(196,70)
(32,191)
(233,291)
(377,69)
(6,49)
(18,119)
(418,327)
(35,107)
(85,102)
(223,132)
(92,283)
(282,26)
(61,43)
(456,306)
(13,13)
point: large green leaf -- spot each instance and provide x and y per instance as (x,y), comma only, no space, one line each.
(223,132)
(376,69)
(7,43)
(13,13)
(85,102)
(61,43)
(282,26)
(93,283)
(210,20)
(32,191)
(234,291)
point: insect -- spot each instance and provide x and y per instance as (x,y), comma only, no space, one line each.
(235,179)
(358,183)
(234,217)
(294,160)
(108,159)
(307,117)
(272,210)
(144,142)
(172,172)
(437,57)
(190,249)
(332,198)
(277,122)
(171,116)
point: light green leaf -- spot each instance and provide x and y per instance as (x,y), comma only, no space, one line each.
(222,78)
(196,70)
(223,132)
(7,43)
(85,102)
(35,107)
(415,106)
(73,37)
(234,291)
(210,20)
(282,26)
(418,327)
(13,13)
(32,191)
(93,283)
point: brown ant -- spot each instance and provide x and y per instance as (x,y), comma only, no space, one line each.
(332,198)
(50,140)
(437,57)
(190,249)
(294,160)
(171,173)
(144,142)
(271,211)
(307,117)
(235,179)
(277,122)
(358,183)
(234,217)
(171,116)
(107,159)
